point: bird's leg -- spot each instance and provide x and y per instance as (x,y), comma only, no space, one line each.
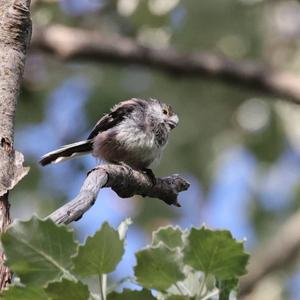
(150,174)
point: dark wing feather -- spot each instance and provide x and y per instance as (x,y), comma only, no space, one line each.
(115,117)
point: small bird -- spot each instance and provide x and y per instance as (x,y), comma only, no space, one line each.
(134,133)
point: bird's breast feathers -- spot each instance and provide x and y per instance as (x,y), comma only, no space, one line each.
(143,141)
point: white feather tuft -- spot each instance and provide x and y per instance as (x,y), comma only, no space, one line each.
(64,158)
(64,148)
(61,150)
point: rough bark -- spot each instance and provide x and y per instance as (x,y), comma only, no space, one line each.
(71,43)
(126,183)
(15,31)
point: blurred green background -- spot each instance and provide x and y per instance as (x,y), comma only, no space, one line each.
(239,148)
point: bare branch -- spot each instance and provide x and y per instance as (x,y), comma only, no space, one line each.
(15,32)
(71,43)
(281,251)
(126,182)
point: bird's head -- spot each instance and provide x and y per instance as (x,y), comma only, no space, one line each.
(165,113)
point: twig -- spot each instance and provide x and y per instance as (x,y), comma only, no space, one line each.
(280,252)
(126,182)
(70,43)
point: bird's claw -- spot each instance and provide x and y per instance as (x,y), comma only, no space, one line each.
(150,175)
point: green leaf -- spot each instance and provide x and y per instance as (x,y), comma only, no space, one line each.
(216,253)
(39,251)
(131,295)
(24,293)
(67,289)
(158,267)
(225,287)
(100,254)
(169,235)
(178,297)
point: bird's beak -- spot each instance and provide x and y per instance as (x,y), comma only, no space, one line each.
(173,121)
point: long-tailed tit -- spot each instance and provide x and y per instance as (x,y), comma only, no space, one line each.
(135,132)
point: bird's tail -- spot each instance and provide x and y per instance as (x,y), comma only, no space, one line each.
(67,152)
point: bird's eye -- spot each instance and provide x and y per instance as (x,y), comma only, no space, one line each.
(165,111)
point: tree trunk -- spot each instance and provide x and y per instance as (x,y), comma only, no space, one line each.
(15,32)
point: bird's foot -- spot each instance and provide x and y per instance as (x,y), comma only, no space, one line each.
(150,175)
(126,166)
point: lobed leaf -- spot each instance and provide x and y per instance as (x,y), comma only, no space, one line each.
(67,289)
(216,253)
(158,267)
(131,295)
(39,251)
(100,254)
(169,235)
(24,293)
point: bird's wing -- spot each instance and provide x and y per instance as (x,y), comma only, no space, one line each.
(117,115)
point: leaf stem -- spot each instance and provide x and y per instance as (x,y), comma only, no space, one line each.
(209,295)
(202,284)
(94,297)
(70,276)
(101,287)
(104,285)
(183,289)
(179,288)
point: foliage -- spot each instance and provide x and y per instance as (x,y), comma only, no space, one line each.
(49,264)
(220,125)
(96,255)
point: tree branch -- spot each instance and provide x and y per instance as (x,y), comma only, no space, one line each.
(126,182)
(71,43)
(15,29)
(281,251)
